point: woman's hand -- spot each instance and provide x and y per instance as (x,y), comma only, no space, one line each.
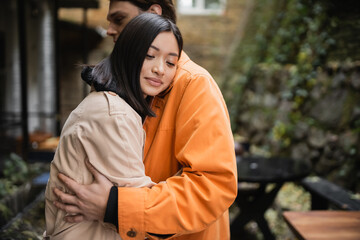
(89,201)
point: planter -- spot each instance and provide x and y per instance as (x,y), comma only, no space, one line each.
(29,224)
(15,203)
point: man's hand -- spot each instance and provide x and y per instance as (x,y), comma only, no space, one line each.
(89,201)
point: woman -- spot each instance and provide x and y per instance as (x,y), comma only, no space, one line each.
(106,128)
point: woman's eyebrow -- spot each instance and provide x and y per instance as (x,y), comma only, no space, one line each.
(158,49)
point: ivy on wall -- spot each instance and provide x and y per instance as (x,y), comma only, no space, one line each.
(292,87)
(292,32)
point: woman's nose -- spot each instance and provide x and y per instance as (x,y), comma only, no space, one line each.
(158,69)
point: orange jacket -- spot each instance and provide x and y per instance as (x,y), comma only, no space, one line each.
(191,131)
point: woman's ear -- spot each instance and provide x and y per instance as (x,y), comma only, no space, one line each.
(155,8)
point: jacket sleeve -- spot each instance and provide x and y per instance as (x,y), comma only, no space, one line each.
(113,142)
(208,184)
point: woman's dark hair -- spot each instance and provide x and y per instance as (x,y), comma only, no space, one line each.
(120,72)
(167,6)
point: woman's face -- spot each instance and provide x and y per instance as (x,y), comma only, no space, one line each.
(160,64)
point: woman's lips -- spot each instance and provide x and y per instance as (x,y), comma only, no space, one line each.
(154,82)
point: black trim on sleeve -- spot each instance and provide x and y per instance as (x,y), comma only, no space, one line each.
(111,212)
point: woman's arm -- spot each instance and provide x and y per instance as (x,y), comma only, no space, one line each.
(112,138)
(89,201)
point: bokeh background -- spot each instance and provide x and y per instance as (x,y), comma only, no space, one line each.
(289,71)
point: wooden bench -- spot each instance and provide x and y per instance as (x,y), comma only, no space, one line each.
(324,225)
(325,194)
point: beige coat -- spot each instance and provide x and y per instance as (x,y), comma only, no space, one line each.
(107,131)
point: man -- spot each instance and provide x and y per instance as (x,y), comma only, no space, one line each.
(189,152)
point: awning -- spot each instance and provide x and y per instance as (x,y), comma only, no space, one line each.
(78,3)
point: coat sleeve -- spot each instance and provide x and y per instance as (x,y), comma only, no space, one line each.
(208,185)
(113,142)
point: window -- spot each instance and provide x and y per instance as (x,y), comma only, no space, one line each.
(201,7)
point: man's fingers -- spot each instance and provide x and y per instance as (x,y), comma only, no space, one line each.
(99,177)
(89,201)
(71,184)
(65,197)
(92,169)
(70,209)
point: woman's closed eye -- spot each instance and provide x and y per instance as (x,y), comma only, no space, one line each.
(148,56)
(171,64)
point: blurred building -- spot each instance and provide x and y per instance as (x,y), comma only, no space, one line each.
(32,42)
(44,42)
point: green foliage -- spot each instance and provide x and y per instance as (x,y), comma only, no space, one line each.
(295,33)
(6,187)
(5,212)
(15,173)
(282,132)
(294,70)
(30,226)
(15,169)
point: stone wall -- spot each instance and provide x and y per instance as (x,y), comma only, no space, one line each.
(293,86)
(326,131)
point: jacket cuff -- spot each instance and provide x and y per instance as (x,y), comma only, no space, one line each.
(131,211)
(111,212)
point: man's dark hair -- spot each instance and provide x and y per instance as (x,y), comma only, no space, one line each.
(120,72)
(168,8)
